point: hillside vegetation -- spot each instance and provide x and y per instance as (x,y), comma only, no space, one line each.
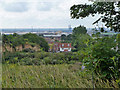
(17,42)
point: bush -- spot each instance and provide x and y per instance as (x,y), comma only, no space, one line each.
(36,61)
(26,61)
(42,55)
(99,58)
(28,50)
(47,60)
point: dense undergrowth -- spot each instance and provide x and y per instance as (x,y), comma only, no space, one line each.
(39,58)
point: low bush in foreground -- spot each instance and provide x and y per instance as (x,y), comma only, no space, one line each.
(38,58)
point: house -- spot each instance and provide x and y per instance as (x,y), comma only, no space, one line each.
(55,45)
(65,47)
(61,47)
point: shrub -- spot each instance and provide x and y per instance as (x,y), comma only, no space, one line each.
(99,58)
(28,50)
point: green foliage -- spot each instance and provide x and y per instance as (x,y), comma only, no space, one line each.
(81,41)
(38,40)
(109,11)
(66,39)
(100,58)
(28,50)
(29,57)
(79,37)
(16,40)
(118,38)
(63,37)
(79,30)
(13,40)
(118,41)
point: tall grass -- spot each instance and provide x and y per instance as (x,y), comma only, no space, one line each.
(0,75)
(50,76)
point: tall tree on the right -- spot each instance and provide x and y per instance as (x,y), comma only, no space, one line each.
(109,14)
(109,11)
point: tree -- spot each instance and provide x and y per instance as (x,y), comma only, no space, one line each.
(79,36)
(4,39)
(66,39)
(16,40)
(69,37)
(37,39)
(101,58)
(79,30)
(63,37)
(110,13)
(81,41)
(15,34)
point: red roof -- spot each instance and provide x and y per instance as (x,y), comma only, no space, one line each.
(57,46)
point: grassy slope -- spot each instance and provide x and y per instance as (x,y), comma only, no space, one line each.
(47,76)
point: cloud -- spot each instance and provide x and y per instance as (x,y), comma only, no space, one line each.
(39,13)
(15,7)
(44,6)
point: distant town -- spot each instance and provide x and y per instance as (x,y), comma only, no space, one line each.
(53,36)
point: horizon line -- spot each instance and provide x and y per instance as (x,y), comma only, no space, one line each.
(42,28)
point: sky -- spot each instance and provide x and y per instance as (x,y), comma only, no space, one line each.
(41,14)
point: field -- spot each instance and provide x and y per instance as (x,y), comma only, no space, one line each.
(50,76)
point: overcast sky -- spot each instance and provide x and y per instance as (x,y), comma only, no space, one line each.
(40,14)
